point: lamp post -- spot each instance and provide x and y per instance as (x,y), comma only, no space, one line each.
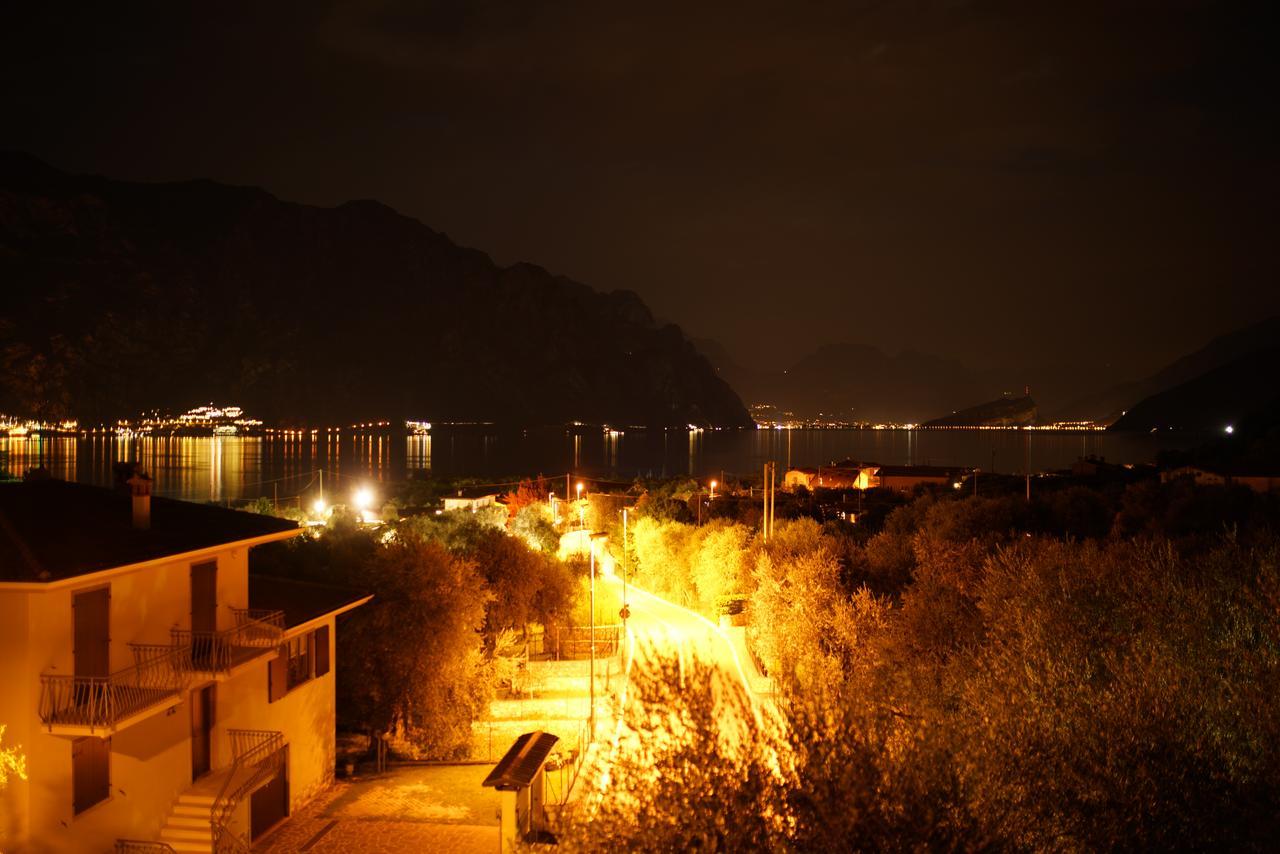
(592,542)
(582,511)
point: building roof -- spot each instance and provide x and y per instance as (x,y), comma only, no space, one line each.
(520,765)
(301,601)
(915,471)
(52,529)
(473,493)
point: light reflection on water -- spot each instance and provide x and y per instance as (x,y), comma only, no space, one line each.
(223,468)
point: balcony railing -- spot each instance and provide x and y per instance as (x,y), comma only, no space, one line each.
(218,652)
(258,626)
(258,756)
(156,677)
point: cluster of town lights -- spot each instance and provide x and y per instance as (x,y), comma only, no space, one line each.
(362,500)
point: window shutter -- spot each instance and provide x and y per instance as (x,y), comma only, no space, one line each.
(278,675)
(322,650)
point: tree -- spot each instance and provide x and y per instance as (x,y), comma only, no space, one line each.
(527,493)
(412,660)
(525,586)
(12,761)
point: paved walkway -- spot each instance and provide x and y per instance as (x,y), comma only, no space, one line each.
(408,809)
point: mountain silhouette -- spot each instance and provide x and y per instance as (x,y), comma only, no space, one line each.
(123,297)
(1113,402)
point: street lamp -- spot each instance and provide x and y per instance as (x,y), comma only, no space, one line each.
(626,605)
(318,507)
(714,484)
(582,511)
(594,538)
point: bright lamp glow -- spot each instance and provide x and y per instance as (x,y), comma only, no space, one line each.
(319,507)
(1230,429)
(363,499)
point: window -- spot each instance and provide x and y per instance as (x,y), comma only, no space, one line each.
(299,666)
(90,772)
(301,659)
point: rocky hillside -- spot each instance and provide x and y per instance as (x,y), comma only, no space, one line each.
(1008,411)
(1226,396)
(1110,404)
(122,297)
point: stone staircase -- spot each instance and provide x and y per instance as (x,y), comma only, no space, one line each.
(188,827)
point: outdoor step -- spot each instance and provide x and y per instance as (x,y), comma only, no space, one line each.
(197,800)
(171,832)
(184,820)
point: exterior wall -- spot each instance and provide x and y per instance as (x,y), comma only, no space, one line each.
(798,477)
(906,483)
(1258,483)
(472,504)
(150,760)
(305,716)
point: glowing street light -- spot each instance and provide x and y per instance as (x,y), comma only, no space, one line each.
(714,484)
(1230,429)
(363,499)
(319,507)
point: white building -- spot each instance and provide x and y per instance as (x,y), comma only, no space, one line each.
(158,692)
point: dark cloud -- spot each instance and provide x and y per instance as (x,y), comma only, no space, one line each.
(1008,183)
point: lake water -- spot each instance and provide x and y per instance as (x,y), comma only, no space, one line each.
(230,468)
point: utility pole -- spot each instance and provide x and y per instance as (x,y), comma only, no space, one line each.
(764,492)
(592,543)
(773,495)
(567,477)
(1026,461)
(625,609)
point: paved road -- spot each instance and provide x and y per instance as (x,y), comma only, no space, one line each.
(660,627)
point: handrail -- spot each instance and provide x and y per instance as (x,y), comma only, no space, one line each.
(259,615)
(261,752)
(214,652)
(100,701)
(138,846)
(258,626)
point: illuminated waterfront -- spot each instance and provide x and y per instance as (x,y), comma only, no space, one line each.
(222,468)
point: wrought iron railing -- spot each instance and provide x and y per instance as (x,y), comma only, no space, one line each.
(137,846)
(218,652)
(258,756)
(158,673)
(258,626)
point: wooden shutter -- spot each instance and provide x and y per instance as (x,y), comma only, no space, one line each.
(90,772)
(92,636)
(278,675)
(204,596)
(322,650)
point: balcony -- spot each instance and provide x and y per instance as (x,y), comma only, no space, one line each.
(256,633)
(103,705)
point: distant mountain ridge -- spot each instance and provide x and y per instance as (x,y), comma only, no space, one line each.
(126,296)
(1011,411)
(856,382)
(1108,405)
(1226,396)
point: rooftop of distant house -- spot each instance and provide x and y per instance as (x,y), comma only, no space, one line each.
(301,601)
(52,529)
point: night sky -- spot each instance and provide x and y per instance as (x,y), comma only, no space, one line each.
(1030,183)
